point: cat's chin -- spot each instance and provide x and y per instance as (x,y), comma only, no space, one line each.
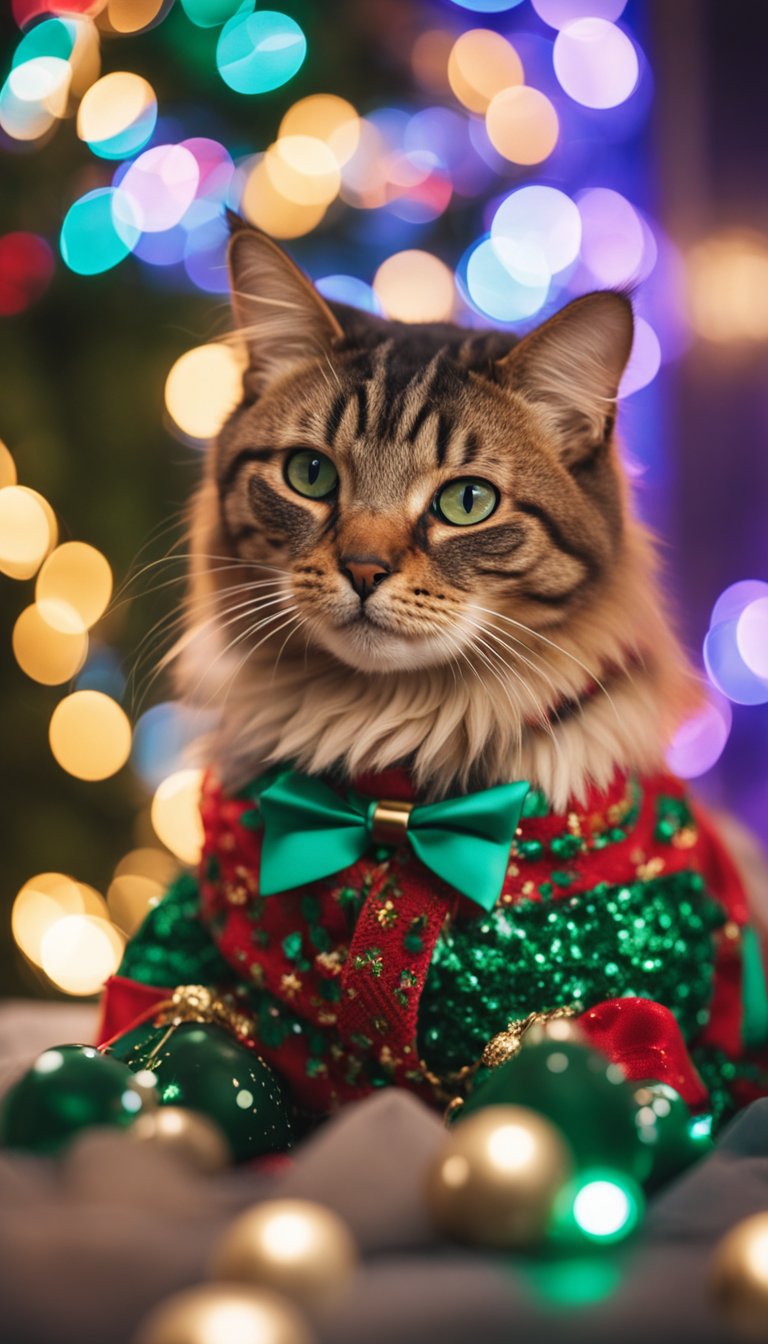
(368,648)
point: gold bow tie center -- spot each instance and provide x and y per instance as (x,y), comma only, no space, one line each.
(389,822)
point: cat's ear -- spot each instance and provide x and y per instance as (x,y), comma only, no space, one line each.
(571,367)
(279,314)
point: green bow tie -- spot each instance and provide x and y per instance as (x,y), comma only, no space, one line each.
(310,832)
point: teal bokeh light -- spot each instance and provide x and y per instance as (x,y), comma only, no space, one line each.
(54,37)
(209,13)
(93,239)
(601,1206)
(258,52)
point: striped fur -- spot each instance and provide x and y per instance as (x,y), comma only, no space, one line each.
(459,659)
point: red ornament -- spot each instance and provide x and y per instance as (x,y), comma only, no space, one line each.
(26,270)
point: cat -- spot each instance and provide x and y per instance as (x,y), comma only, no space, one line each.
(459,647)
(415,576)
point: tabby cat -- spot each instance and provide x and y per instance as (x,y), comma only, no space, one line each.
(416,583)
(442,565)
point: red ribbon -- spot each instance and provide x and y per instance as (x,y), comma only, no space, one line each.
(644,1038)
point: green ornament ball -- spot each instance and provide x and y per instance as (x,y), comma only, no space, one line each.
(69,1088)
(200,1066)
(672,1137)
(580,1091)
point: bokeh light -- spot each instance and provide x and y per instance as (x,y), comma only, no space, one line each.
(133,16)
(157,865)
(25,532)
(74,587)
(210,13)
(7,466)
(559,13)
(130,897)
(613,240)
(607,1207)
(415,286)
(544,224)
(487,6)
(26,270)
(325,117)
(261,51)
(90,735)
(42,901)
(158,188)
(522,124)
(644,360)
(752,636)
(595,62)
(502,282)
(176,814)
(267,208)
(303,169)
(736,598)
(727,669)
(80,952)
(94,237)
(162,737)
(47,655)
(728,287)
(480,65)
(117,115)
(34,96)
(699,743)
(204,387)
(70,39)
(349,289)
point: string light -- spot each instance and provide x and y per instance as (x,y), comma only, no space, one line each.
(90,735)
(42,902)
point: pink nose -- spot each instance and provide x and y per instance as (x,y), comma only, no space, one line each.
(365,572)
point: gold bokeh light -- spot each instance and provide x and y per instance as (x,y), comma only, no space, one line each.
(481,64)
(130,897)
(42,901)
(90,735)
(176,814)
(522,125)
(415,286)
(266,207)
(303,169)
(204,387)
(80,952)
(325,117)
(25,531)
(112,104)
(47,655)
(74,587)
(7,467)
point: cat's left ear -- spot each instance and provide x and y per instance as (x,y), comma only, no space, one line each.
(279,313)
(571,367)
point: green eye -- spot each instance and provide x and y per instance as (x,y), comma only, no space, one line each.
(465,502)
(311,474)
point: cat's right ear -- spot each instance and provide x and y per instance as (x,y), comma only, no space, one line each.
(280,316)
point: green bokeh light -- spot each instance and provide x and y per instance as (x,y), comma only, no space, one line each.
(93,239)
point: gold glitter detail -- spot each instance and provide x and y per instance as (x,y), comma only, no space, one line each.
(731,931)
(529,888)
(685,838)
(637,855)
(386,915)
(327,1019)
(513,870)
(235,893)
(290,984)
(574,823)
(332,961)
(506,1044)
(651,869)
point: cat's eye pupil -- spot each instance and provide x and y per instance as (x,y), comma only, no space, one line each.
(468,498)
(313,470)
(465,502)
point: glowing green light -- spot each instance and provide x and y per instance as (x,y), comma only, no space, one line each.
(93,238)
(54,37)
(607,1208)
(171,1092)
(257,52)
(700,1127)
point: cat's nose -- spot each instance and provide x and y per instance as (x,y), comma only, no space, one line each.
(365,572)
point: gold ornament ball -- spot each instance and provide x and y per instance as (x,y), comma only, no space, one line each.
(496,1180)
(188,1134)
(292,1246)
(224,1314)
(740,1277)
